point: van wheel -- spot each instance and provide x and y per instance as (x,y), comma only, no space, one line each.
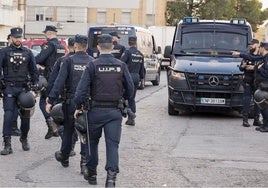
(171,110)
(141,84)
(156,82)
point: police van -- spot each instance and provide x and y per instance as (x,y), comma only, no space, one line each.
(145,43)
(203,75)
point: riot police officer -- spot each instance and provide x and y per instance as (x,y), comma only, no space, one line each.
(67,81)
(135,63)
(118,48)
(107,80)
(17,72)
(15,130)
(51,80)
(262,77)
(50,52)
(247,67)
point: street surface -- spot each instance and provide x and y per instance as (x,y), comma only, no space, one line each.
(190,150)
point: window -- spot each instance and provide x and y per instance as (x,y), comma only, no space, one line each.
(125,17)
(101,17)
(72,14)
(39,13)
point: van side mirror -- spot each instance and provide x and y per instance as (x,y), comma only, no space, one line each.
(167,52)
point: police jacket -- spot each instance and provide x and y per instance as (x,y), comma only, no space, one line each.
(69,75)
(134,60)
(262,72)
(118,50)
(55,71)
(105,79)
(248,74)
(17,64)
(50,52)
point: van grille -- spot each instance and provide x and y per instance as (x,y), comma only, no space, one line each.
(214,81)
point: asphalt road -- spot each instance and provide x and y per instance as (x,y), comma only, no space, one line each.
(191,150)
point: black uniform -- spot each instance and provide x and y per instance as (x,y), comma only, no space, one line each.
(107,80)
(67,81)
(50,52)
(118,50)
(17,72)
(135,63)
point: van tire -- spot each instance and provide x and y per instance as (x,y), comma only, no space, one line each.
(156,82)
(171,110)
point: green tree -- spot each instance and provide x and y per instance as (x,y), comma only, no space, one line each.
(217,9)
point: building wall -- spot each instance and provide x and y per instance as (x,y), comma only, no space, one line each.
(10,17)
(71,17)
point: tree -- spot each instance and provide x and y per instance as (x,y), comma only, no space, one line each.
(217,9)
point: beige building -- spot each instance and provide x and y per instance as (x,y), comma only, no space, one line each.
(75,16)
(11,15)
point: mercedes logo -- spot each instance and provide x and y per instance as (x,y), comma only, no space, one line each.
(213,81)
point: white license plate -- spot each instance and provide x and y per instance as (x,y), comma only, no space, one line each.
(212,101)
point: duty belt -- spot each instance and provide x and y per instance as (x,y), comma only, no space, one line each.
(104,104)
(15,84)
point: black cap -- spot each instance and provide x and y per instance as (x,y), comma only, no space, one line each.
(132,38)
(8,37)
(254,41)
(82,39)
(114,34)
(105,38)
(70,41)
(50,28)
(264,44)
(16,32)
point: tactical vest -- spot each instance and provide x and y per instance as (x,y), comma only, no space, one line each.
(107,82)
(50,61)
(17,64)
(136,58)
(77,65)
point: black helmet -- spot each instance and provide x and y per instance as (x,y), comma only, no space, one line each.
(261,98)
(26,102)
(81,122)
(57,114)
(42,83)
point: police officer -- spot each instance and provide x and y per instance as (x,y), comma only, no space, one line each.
(15,130)
(118,48)
(247,67)
(262,76)
(135,63)
(17,70)
(51,81)
(67,81)
(50,52)
(107,80)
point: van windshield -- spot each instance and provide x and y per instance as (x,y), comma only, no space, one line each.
(213,40)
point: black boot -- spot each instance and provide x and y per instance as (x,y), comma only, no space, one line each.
(111,178)
(257,121)
(7,148)
(24,143)
(245,121)
(83,164)
(64,160)
(50,130)
(91,176)
(72,153)
(15,130)
(130,121)
(264,128)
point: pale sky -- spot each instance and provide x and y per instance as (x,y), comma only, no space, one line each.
(264,4)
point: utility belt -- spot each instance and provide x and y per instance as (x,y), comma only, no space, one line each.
(17,84)
(104,104)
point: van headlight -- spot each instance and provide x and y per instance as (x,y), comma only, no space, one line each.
(178,75)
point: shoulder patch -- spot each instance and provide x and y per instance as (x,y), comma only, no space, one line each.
(45,46)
